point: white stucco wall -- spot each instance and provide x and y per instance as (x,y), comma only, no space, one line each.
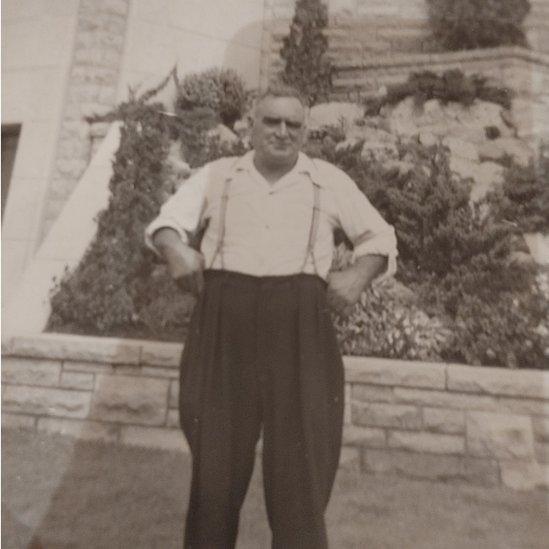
(37,38)
(195,35)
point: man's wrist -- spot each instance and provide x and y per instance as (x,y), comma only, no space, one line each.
(168,241)
(369,267)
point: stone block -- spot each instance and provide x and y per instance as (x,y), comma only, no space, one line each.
(444,421)
(386,415)
(521,474)
(498,381)
(77,380)
(173,400)
(490,150)
(161,354)
(541,428)
(380,371)
(544,482)
(445,399)
(426,442)
(488,177)
(501,436)
(18,421)
(350,459)
(153,437)
(467,169)
(26,371)
(363,436)
(78,348)
(87,367)
(155,371)
(371,393)
(172,419)
(432,467)
(524,406)
(542,452)
(130,399)
(46,401)
(86,430)
(427,138)
(127,369)
(461,149)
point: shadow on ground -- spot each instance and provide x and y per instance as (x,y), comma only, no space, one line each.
(59,493)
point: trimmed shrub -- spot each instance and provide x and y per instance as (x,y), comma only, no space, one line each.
(221,90)
(457,258)
(197,147)
(452,85)
(523,200)
(470,24)
(304,51)
(118,289)
(504,331)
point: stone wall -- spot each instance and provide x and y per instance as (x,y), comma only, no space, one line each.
(524,72)
(376,26)
(486,426)
(365,31)
(91,89)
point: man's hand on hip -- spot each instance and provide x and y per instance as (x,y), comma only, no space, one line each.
(185,265)
(345,287)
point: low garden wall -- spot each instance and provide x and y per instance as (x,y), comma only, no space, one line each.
(486,426)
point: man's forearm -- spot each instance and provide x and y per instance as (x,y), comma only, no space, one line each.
(369,267)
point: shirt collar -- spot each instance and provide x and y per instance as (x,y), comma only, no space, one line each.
(304,165)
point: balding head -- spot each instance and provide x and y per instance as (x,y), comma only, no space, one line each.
(278,131)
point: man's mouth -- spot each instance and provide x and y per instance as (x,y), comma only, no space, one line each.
(281,145)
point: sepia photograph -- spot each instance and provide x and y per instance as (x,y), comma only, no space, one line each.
(275,274)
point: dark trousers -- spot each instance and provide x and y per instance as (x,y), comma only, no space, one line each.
(261,353)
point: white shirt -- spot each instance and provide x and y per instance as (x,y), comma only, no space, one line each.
(267,225)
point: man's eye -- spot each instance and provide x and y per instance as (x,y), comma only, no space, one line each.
(275,122)
(293,125)
(272,121)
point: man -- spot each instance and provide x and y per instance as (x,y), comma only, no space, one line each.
(261,353)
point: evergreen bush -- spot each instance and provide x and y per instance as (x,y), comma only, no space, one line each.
(118,289)
(457,258)
(304,51)
(523,199)
(470,24)
(220,90)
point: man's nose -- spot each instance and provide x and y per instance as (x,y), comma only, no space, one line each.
(282,129)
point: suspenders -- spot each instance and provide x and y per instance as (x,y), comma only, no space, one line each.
(222,215)
(313,229)
(310,251)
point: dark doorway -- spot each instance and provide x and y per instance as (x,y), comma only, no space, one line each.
(10,139)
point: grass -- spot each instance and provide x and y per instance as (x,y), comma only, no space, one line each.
(60,493)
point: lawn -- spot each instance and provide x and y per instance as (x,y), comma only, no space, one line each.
(60,493)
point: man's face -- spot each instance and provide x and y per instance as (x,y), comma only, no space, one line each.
(279,130)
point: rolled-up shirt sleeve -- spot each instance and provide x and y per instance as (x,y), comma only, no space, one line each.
(364,226)
(182,211)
